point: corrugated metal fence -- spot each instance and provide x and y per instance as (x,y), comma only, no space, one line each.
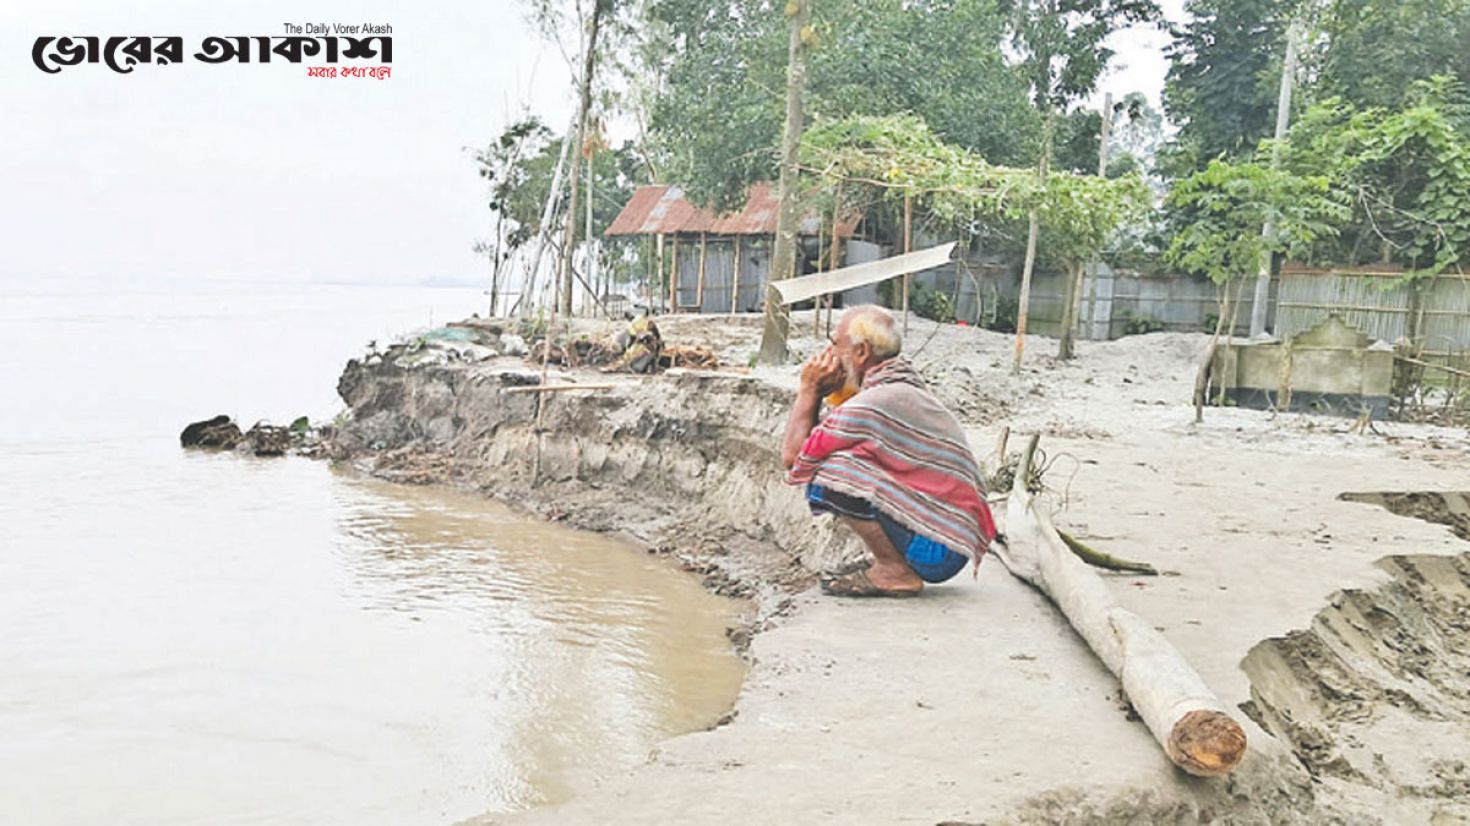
(1434,313)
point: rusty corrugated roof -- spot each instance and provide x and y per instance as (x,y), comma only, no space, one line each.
(661,209)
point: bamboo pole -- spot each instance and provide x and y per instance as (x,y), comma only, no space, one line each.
(654,287)
(908,246)
(600,8)
(558,388)
(735,279)
(835,255)
(817,304)
(1283,116)
(588,240)
(699,285)
(1033,230)
(1185,717)
(674,279)
(1431,365)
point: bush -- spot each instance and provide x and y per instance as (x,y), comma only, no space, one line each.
(925,301)
(1140,325)
(1006,310)
(931,304)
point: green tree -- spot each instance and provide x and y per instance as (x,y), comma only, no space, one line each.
(1224,207)
(1376,51)
(1228,202)
(897,158)
(717,126)
(1062,51)
(1405,171)
(518,188)
(518,167)
(1224,70)
(1138,132)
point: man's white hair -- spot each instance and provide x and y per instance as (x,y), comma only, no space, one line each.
(875,325)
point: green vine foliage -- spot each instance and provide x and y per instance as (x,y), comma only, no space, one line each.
(888,158)
(1405,174)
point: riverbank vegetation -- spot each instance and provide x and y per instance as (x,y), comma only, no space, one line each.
(982,119)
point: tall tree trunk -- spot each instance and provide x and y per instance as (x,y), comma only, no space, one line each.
(1034,219)
(1070,312)
(1074,305)
(783,257)
(569,237)
(543,233)
(590,243)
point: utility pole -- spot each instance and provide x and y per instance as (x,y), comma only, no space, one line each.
(1283,115)
(908,247)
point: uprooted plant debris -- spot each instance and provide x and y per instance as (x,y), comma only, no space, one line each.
(637,348)
(263,439)
(1003,479)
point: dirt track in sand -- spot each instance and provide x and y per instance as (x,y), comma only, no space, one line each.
(976,703)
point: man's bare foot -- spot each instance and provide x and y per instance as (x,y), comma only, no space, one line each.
(888,583)
(899,577)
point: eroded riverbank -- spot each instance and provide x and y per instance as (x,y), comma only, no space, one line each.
(975,703)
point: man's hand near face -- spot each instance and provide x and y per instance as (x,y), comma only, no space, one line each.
(823,374)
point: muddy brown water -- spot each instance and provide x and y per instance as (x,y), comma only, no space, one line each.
(196,637)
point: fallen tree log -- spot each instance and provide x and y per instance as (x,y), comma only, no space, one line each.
(1191,724)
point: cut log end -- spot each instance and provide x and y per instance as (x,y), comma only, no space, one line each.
(1206,743)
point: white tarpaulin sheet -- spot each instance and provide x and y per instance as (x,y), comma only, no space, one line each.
(793,290)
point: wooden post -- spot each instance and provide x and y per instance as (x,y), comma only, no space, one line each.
(658,272)
(699,288)
(674,280)
(735,280)
(1072,318)
(817,304)
(834,258)
(908,246)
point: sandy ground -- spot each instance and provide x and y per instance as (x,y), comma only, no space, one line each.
(978,704)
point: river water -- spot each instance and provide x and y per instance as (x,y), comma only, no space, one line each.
(196,637)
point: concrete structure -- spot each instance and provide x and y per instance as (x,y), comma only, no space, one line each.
(1331,368)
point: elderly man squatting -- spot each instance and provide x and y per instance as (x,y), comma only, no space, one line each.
(891,463)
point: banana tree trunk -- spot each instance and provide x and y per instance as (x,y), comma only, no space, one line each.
(1186,718)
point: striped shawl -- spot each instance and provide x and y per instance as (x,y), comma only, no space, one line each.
(896,446)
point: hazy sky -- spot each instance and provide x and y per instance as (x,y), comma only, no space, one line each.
(257,171)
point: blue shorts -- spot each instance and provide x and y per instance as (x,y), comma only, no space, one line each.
(932,561)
